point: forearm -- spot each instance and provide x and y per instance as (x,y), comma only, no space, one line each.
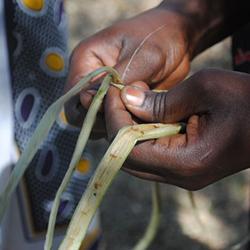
(209,20)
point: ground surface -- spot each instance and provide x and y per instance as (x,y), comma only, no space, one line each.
(126,208)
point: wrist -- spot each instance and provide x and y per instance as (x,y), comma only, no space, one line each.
(196,19)
(210,21)
(179,25)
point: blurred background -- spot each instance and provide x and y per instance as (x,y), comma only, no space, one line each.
(125,211)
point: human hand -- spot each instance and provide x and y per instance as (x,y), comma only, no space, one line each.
(216,106)
(153,47)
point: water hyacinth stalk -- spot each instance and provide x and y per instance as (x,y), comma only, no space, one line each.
(154,222)
(80,145)
(41,132)
(107,169)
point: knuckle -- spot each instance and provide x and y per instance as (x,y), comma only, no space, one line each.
(206,78)
(202,73)
(153,54)
(82,49)
(205,84)
(201,78)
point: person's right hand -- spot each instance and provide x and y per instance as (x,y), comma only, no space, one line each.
(153,47)
(216,107)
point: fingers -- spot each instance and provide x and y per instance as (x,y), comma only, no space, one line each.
(210,103)
(91,54)
(88,56)
(177,75)
(140,64)
(116,115)
(177,104)
(74,111)
(175,160)
(180,160)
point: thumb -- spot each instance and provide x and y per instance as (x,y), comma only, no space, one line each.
(179,103)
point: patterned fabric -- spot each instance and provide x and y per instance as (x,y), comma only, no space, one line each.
(39,63)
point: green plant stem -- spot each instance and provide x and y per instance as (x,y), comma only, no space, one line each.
(154,222)
(105,173)
(81,143)
(41,132)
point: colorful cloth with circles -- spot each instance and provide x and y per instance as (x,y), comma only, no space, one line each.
(39,63)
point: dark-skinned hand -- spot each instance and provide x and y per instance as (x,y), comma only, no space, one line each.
(161,62)
(216,106)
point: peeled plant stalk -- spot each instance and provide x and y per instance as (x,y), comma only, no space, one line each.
(80,145)
(154,222)
(107,169)
(41,132)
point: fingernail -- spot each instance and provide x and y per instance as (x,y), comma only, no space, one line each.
(133,96)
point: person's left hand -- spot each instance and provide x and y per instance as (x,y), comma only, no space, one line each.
(155,46)
(216,106)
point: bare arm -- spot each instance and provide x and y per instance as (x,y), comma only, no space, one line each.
(210,20)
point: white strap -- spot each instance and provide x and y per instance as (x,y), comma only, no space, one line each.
(6,114)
